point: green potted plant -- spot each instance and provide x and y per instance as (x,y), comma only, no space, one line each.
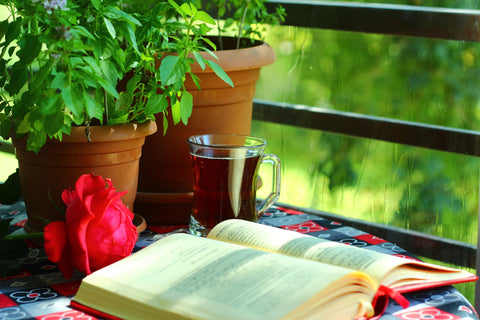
(243,20)
(60,65)
(165,190)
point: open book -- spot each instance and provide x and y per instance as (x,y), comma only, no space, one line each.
(246,270)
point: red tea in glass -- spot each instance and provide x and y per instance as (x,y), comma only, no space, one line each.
(225,171)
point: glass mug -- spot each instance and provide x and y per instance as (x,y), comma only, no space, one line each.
(225,172)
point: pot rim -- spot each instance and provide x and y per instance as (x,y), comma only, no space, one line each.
(104,133)
(255,57)
(111,132)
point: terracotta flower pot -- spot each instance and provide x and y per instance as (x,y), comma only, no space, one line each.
(165,187)
(114,152)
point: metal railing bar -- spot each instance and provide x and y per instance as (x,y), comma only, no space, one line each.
(416,134)
(418,243)
(402,20)
(477,284)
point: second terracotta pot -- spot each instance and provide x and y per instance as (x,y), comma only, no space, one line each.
(165,185)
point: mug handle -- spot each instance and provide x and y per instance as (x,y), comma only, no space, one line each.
(275,194)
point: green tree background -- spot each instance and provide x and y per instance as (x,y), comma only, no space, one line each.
(414,79)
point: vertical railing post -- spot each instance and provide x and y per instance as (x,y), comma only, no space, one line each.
(477,284)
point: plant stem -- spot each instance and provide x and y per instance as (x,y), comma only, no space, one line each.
(105,105)
(26,236)
(241,23)
(220,40)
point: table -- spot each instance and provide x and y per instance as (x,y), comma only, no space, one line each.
(41,292)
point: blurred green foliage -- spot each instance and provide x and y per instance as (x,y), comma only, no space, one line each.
(414,79)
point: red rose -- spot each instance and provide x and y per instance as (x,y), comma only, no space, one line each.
(97,230)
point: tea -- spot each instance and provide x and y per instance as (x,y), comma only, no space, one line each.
(225,171)
(224,188)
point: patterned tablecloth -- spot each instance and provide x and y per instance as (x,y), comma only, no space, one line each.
(41,292)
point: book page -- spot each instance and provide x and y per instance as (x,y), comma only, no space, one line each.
(378,265)
(190,276)
(295,244)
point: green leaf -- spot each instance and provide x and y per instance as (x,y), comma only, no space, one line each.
(13,31)
(212,45)
(18,78)
(89,79)
(228,23)
(3,27)
(93,109)
(196,80)
(186,106)
(97,4)
(10,192)
(68,100)
(38,78)
(50,105)
(109,87)
(36,139)
(155,104)
(110,27)
(3,67)
(205,17)
(60,81)
(37,120)
(119,59)
(165,123)
(219,72)
(177,8)
(24,126)
(199,59)
(73,99)
(30,50)
(210,52)
(118,14)
(82,31)
(109,69)
(5,127)
(222,10)
(93,64)
(22,107)
(168,70)
(188,9)
(77,62)
(176,113)
(5,223)
(128,31)
(133,82)
(132,38)
(54,123)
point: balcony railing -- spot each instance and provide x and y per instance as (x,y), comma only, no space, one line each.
(395,20)
(391,130)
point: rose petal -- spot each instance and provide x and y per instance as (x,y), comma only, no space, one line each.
(55,240)
(57,247)
(77,237)
(99,203)
(65,264)
(68,196)
(88,184)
